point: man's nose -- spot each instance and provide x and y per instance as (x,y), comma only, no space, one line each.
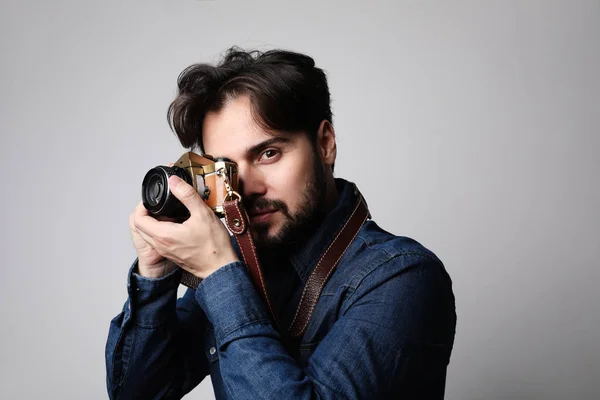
(251,182)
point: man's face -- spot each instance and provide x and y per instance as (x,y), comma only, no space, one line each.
(281,176)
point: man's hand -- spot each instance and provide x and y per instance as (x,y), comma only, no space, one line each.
(200,245)
(151,264)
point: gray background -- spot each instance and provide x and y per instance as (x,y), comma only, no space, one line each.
(471,126)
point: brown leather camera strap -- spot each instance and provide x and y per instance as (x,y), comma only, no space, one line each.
(190,280)
(329,260)
(237,221)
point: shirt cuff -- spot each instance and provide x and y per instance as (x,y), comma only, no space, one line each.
(152,301)
(230,300)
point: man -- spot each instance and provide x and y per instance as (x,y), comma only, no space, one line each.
(384,323)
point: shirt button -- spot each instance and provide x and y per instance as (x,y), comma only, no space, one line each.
(212,351)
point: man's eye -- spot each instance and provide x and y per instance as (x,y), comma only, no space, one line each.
(268,154)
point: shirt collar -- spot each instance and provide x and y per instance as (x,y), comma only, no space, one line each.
(307,256)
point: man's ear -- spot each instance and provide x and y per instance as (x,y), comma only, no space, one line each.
(326,145)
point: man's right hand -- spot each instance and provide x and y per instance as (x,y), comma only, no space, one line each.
(150,263)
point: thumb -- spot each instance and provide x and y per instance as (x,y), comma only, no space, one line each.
(186,194)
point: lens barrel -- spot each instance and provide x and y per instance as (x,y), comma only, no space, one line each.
(156,195)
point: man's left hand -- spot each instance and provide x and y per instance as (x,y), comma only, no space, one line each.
(200,245)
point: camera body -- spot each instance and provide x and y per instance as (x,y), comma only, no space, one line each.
(215,179)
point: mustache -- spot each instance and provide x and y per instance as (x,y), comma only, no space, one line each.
(264,203)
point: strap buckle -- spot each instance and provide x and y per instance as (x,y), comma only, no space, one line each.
(221,172)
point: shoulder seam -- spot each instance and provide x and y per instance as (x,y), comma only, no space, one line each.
(400,253)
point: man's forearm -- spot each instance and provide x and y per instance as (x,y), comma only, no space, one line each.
(372,350)
(143,354)
(246,340)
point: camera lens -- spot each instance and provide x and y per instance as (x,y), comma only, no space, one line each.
(156,196)
(155,189)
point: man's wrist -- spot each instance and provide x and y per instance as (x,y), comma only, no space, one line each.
(155,271)
(204,272)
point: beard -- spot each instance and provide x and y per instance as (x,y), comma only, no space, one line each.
(296,227)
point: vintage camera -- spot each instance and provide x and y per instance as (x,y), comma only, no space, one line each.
(215,179)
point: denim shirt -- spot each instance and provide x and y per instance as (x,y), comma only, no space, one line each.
(383,326)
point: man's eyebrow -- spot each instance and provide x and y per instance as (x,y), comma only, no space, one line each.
(258,148)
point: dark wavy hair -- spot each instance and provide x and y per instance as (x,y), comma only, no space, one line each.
(287,92)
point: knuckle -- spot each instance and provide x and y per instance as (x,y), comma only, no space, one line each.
(188,192)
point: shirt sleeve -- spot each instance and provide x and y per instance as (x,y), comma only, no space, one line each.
(393,336)
(154,346)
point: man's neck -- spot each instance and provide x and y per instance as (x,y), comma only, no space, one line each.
(333,194)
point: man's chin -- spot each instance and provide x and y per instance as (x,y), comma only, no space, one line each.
(265,234)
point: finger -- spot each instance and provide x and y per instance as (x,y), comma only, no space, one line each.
(140,210)
(148,240)
(153,228)
(187,195)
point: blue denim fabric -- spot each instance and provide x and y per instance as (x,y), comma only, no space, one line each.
(383,327)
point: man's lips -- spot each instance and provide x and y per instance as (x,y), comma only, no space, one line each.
(261,214)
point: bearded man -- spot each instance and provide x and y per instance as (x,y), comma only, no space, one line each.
(383,323)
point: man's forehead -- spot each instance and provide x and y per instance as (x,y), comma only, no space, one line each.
(237,144)
(231,130)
